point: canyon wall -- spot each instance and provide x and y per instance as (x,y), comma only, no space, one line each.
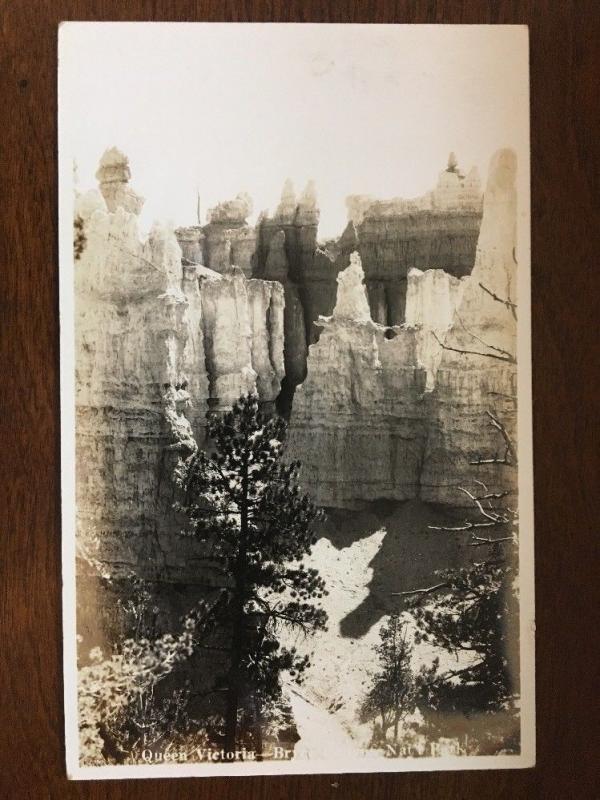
(436,231)
(158,344)
(394,412)
(359,420)
(380,412)
(476,380)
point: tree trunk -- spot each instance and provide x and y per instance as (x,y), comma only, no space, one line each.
(233,689)
(258,730)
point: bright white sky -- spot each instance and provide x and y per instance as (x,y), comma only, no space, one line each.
(223,108)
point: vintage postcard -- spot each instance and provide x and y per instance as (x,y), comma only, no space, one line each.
(296,401)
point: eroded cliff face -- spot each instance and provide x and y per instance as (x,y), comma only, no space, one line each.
(477,374)
(358,424)
(431,301)
(139,357)
(287,251)
(157,345)
(243,334)
(436,231)
(380,412)
(400,412)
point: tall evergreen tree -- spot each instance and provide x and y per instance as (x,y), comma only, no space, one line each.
(244,500)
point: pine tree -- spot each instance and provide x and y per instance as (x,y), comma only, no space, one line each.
(244,500)
(472,616)
(394,689)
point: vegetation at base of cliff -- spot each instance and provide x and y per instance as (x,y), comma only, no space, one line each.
(120,707)
(470,614)
(394,689)
(244,501)
(134,698)
(474,616)
(472,707)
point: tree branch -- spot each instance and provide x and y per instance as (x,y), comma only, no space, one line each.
(512,307)
(420,591)
(505,356)
(507,440)
(479,540)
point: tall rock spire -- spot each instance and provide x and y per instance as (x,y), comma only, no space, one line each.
(352,303)
(287,205)
(308,210)
(113,175)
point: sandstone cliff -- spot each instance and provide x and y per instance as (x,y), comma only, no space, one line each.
(436,231)
(394,412)
(381,411)
(157,344)
(477,374)
(358,422)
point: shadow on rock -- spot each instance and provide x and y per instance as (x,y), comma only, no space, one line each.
(410,553)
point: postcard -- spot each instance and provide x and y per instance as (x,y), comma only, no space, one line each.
(296,398)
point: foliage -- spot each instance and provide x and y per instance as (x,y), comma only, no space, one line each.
(394,690)
(79,238)
(472,616)
(244,501)
(119,711)
(111,689)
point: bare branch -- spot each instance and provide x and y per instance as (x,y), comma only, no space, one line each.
(479,540)
(512,307)
(491,495)
(421,591)
(507,440)
(492,460)
(468,526)
(500,350)
(491,515)
(504,355)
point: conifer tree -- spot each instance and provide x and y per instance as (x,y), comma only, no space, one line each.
(244,500)
(472,616)
(394,689)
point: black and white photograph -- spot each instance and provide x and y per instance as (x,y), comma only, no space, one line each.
(297,474)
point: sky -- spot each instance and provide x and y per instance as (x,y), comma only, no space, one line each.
(217,109)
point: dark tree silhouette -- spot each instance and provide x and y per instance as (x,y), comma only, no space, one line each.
(244,501)
(472,615)
(394,689)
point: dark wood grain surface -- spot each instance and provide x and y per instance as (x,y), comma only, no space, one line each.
(565,78)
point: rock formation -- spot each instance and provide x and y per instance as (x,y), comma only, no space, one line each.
(287,251)
(191,241)
(296,346)
(403,411)
(431,300)
(477,374)
(139,357)
(243,337)
(113,176)
(358,421)
(380,411)
(157,344)
(436,231)
(227,240)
